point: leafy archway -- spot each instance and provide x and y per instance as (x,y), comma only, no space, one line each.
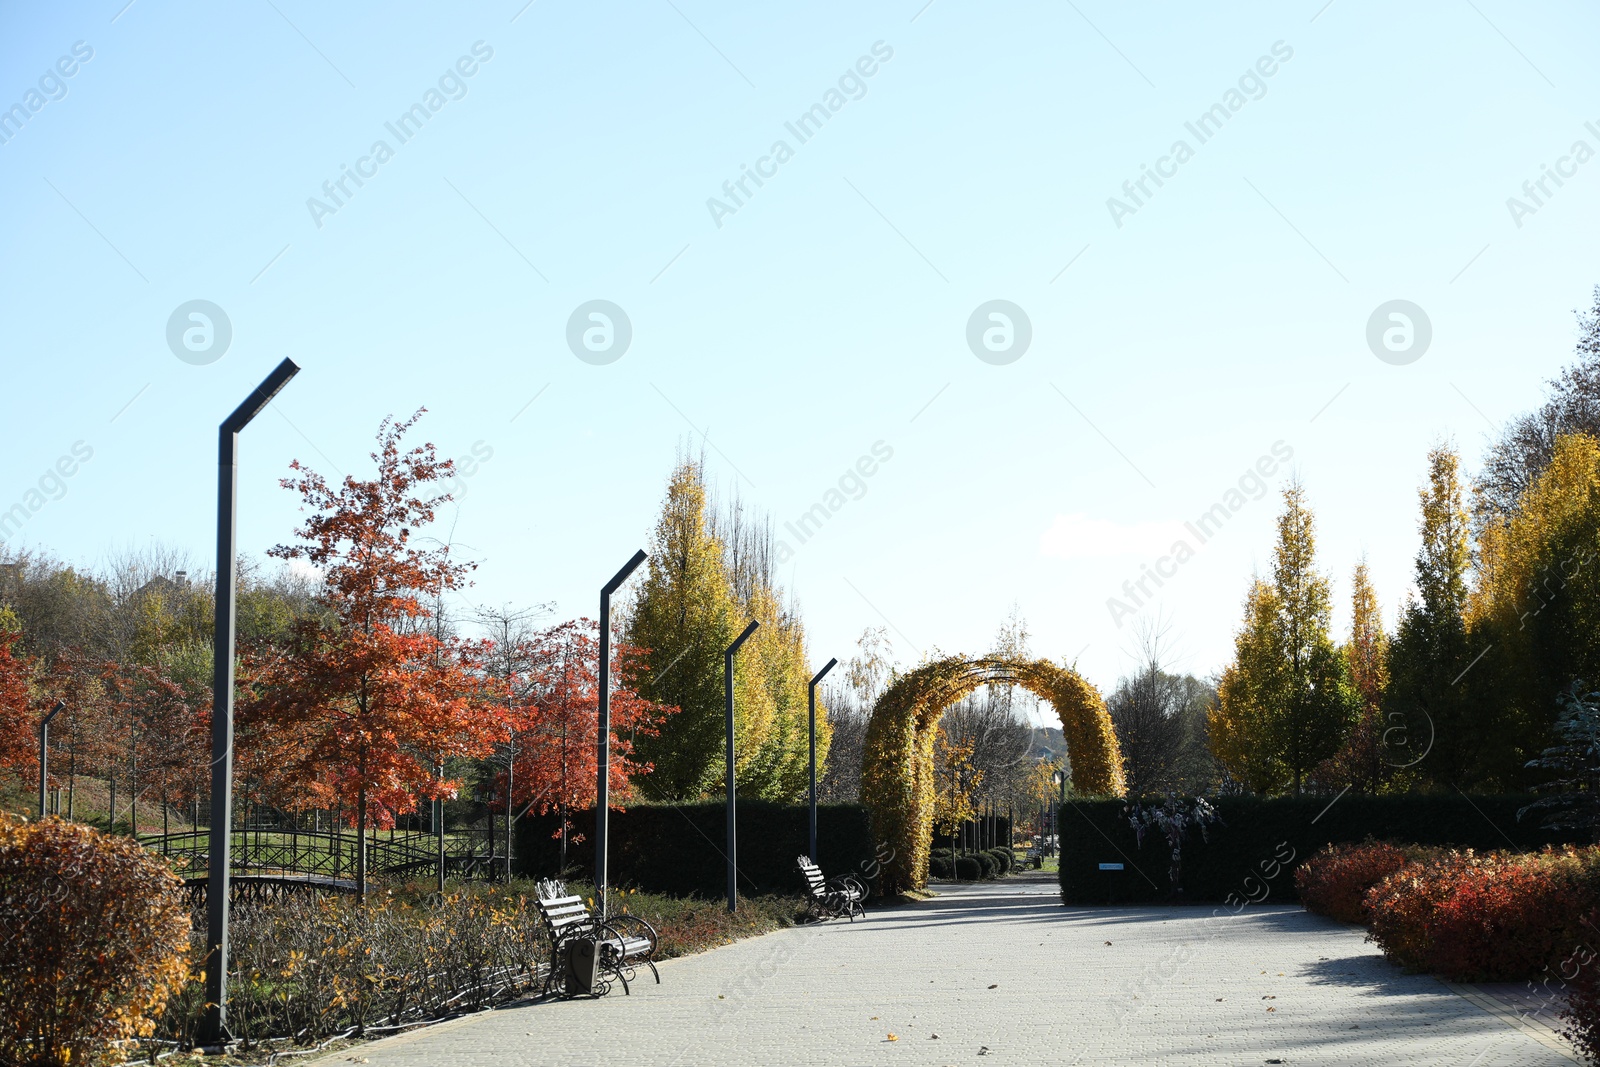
(897,761)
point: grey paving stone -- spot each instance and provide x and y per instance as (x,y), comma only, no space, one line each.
(1002,971)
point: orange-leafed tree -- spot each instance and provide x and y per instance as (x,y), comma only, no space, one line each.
(159,730)
(18,724)
(366,697)
(78,734)
(556,714)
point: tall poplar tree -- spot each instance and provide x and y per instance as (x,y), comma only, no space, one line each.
(1428,692)
(1288,691)
(774,741)
(1252,688)
(1319,708)
(1361,761)
(711,572)
(682,619)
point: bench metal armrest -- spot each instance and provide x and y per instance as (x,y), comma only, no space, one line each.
(588,927)
(624,923)
(847,883)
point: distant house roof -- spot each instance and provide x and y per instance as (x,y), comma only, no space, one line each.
(162,584)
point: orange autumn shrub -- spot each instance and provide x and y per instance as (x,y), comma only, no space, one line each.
(1335,881)
(1492,917)
(93,936)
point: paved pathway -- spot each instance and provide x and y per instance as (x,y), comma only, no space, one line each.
(1002,970)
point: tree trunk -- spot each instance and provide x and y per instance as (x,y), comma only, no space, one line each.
(133,780)
(511,767)
(361,844)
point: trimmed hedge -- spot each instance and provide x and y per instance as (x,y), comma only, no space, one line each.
(678,850)
(990,863)
(1263,839)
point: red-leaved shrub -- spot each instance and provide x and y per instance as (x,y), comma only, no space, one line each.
(1494,917)
(93,935)
(1579,978)
(1335,881)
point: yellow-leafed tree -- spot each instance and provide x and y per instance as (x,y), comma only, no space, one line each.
(1536,610)
(710,573)
(1285,704)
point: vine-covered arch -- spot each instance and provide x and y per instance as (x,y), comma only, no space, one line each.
(897,762)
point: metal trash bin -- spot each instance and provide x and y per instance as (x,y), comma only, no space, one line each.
(583,966)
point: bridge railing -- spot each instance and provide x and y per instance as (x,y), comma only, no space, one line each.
(327,854)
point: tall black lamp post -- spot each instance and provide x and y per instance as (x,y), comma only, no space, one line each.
(214,1026)
(602,803)
(811,704)
(733,828)
(44,753)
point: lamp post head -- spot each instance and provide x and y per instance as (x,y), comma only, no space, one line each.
(1058,779)
(261,396)
(743,637)
(627,569)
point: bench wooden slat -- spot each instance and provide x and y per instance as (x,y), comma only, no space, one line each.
(566,909)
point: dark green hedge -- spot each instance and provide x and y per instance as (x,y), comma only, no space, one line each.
(679,850)
(990,863)
(1265,838)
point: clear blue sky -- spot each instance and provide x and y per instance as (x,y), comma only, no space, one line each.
(829,311)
